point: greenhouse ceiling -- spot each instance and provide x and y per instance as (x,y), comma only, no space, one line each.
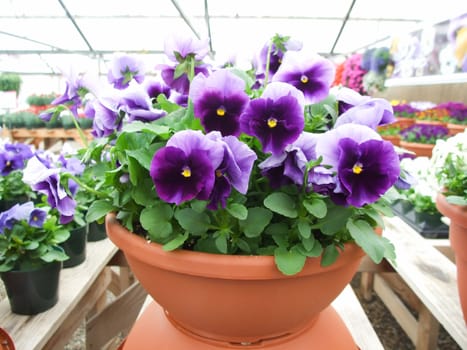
(36,36)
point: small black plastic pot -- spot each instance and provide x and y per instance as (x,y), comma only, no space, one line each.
(32,291)
(75,247)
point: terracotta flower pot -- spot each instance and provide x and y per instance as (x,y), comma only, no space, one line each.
(458,239)
(231,299)
(404,123)
(394,139)
(420,149)
(455,128)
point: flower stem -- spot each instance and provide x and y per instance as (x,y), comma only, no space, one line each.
(268,62)
(88,188)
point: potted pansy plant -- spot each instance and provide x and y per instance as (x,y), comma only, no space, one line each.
(31,256)
(421,138)
(449,162)
(261,177)
(43,174)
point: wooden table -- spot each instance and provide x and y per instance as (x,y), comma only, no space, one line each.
(48,136)
(424,278)
(82,295)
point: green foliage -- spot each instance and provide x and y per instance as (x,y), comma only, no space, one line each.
(40,100)
(25,246)
(10,82)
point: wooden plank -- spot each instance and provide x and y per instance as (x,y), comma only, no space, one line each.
(78,314)
(351,311)
(117,317)
(428,330)
(33,332)
(430,275)
(397,308)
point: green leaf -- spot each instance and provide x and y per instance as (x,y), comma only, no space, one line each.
(375,215)
(54,255)
(221,243)
(281,203)
(238,211)
(330,255)
(334,221)
(157,220)
(32,245)
(193,221)
(289,262)
(457,200)
(304,228)
(150,127)
(98,209)
(316,207)
(309,243)
(258,218)
(61,235)
(377,247)
(175,242)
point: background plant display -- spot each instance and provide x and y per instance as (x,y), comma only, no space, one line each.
(449,162)
(424,133)
(232,162)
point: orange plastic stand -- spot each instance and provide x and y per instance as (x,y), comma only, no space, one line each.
(154,330)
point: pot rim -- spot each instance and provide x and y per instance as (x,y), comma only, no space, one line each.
(448,209)
(243,267)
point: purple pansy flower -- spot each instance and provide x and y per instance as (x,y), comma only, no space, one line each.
(234,171)
(218,100)
(185,168)
(366,166)
(154,88)
(372,113)
(276,118)
(289,166)
(37,217)
(347,98)
(137,104)
(125,68)
(104,113)
(313,75)
(16,213)
(13,157)
(276,55)
(47,181)
(77,86)
(180,83)
(180,46)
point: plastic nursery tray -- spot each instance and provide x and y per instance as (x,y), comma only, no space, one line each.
(427,225)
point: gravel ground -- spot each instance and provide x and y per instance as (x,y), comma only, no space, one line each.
(391,334)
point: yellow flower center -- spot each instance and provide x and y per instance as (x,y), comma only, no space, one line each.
(357,168)
(8,163)
(186,172)
(304,79)
(219,173)
(220,111)
(272,122)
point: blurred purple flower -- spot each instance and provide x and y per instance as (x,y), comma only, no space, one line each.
(313,75)
(124,68)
